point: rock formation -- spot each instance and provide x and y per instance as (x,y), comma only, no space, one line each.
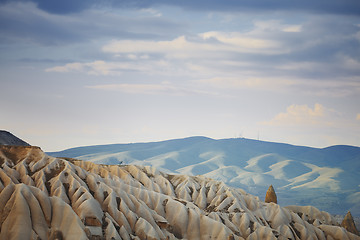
(270,195)
(43,197)
(349,224)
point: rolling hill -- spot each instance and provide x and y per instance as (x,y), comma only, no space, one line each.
(327,178)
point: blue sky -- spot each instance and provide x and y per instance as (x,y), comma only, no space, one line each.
(94,72)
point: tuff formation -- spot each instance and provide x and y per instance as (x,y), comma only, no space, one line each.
(349,224)
(43,197)
(270,195)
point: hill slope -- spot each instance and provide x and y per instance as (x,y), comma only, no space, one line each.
(7,138)
(52,198)
(326,178)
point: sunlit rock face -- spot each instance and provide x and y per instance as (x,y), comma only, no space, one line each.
(43,197)
(271,195)
(349,224)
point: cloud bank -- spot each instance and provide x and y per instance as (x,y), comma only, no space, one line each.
(297,115)
(321,6)
(224,66)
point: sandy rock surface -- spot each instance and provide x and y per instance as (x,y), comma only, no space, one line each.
(45,197)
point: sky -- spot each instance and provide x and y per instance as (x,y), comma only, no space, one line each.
(76,73)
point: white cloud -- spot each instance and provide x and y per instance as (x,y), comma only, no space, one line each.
(163,88)
(108,68)
(248,82)
(132,56)
(135,88)
(96,67)
(303,115)
(152,12)
(275,25)
(184,47)
(232,60)
(203,55)
(292,28)
(66,68)
(240,40)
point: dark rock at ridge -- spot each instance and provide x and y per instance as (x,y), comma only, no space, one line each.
(7,138)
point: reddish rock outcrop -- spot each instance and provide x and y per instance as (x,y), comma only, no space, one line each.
(270,195)
(349,224)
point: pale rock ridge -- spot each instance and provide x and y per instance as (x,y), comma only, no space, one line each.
(42,196)
(349,224)
(271,195)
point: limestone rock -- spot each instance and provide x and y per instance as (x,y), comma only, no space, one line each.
(43,197)
(92,221)
(348,223)
(270,195)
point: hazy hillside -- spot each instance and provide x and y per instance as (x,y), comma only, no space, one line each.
(327,178)
(43,197)
(7,138)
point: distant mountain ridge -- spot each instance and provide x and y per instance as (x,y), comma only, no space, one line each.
(327,178)
(7,138)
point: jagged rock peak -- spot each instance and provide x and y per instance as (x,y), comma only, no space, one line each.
(271,195)
(43,197)
(7,138)
(349,224)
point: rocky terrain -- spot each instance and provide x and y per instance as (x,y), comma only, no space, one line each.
(327,178)
(43,197)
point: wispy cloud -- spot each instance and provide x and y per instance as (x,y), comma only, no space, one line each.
(67,67)
(257,59)
(358,117)
(153,89)
(107,68)
(152,11)
(204,45)
(25,21)
(248,82)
